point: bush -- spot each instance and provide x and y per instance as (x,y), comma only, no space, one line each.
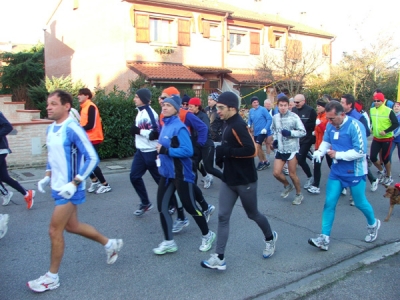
(117,112)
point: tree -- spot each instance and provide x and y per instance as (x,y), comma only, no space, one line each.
(292,67)
(21,70)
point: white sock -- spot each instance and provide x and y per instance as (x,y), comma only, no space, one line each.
(108,245)
(169,242)
(52,275)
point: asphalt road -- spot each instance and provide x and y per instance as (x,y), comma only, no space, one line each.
(295,270)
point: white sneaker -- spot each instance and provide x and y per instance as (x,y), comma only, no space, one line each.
(270,246)
(309,182)
(7,198)
(373,231)
(44,283)
(208,180)
(344,192)
(166,246)
(297,199)
(321,242)
(94,186)
(381,176)
(388,180)
(374,185)
(214,263)
(112,252)
(3,224)
(314,190)
(103,189)
(207,213)
(206,241)
(287,190)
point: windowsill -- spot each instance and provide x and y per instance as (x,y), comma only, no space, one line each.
(159,44)
(238,53)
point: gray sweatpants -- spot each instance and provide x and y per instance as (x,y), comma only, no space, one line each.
(227,199)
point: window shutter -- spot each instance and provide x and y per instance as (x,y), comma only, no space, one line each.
(294,49)
(326,49)
(271,37)
(255,43)
(200,23)
(206,29)
(142,29)
(184,32)
(75,4)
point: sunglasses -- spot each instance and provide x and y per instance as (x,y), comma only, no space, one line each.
(377,101)
(185,104)
(162,97)
(297,102)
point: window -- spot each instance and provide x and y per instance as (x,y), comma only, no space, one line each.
(277,37)
(160,31)
(236,42)
(214,84)
(215,32)
(279,41)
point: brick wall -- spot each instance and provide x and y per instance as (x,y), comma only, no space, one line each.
(27,140)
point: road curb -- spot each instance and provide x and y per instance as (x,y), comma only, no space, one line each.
(316,281)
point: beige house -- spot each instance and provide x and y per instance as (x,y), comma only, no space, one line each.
(197,44)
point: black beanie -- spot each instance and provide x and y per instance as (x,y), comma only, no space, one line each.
(185,98)
(254,99)
(144,95)
(230,99)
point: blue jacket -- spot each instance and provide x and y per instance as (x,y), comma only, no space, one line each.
(5,128)
(176,138)
(396,132)
(356,115)
(260,119)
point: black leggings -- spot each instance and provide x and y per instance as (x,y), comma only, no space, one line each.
(4,177)
(302,158)
(97,173)
(376,148)
(166,189)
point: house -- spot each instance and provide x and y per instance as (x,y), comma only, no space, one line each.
(195,44)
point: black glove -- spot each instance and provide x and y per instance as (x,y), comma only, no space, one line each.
(154,135)
(286,132)
(275,144)
(135,130)
(175,142)
(163,150)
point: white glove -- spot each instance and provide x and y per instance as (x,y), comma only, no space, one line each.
(67,190)
(317,156)
(264,131)
(313,133)
(317,122)
(43,183)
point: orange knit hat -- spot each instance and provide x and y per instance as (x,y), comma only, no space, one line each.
(171,91)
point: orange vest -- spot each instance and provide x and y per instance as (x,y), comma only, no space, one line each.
(96,134)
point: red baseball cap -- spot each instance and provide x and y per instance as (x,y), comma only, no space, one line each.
(195,101)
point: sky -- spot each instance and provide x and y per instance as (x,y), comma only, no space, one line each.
(355,23)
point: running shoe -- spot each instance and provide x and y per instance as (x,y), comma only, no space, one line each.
(166,246)
(267,164)
(44,283)
(344,192)
(321,242)
(388,180)
(179,225)
(142,209)
(208,180)
(314,190)
(7,198)
(207,214)
(270,246)
(297,199)
(381,176)
(285,170)
(3,224)
(351,201)
(206,241)
(214,263)
(103,189)
(373,231)
(287,190)
(29,199)
(260,166)
(94,186)
(374,185)
(112,252)
(309,183)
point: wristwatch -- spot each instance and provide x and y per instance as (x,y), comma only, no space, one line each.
(76,182)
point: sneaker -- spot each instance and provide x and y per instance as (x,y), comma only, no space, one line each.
(381,176)
(206,241)
(297,199)
(321,242)
(179,225)
(287,190)
(103,189)
(309,183)
(142,209)
(351,201)
(260,166)
(44,283)
(314,190)
(344,192)
(112,252)
(373,232)
(214,263)
(374,185)
(7,198)
(3,224)
(207,214)
(166,246)
(208,180)
(29,198)
(285,171)
(267,164)
(388,180)
(94,186)
(270,246)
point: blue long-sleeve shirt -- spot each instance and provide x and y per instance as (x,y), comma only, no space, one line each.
(260,119)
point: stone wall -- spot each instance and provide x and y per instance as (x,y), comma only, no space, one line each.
(27,140)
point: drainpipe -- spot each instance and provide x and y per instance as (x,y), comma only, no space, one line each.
(330,58)
(224,41)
